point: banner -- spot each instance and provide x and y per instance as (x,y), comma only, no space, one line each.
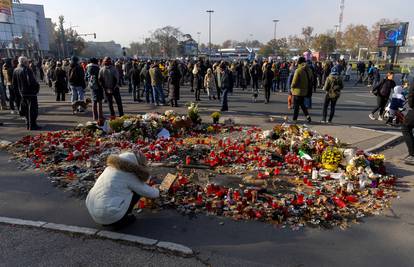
(6,11)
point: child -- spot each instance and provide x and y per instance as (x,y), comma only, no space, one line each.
(397,102)
(210,84)
(348,73)
(119,188)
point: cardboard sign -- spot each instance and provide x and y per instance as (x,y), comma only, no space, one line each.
(167,182)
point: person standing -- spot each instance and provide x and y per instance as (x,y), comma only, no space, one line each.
(382,91)
(198,81)
(25,83)
(77,80)
(284,75)
(301,84)
(255,75)
(146,78)
(135,80)
(108,79)
(333,87)
(14,96)
(408,126)
(174,78)
(61,82)
(92,77)
(157,80)
(226,85)
(210,84)
(268,82)
(405,71)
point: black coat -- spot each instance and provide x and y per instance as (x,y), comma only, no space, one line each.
(25,82)
(268,76)
(61,83)
(174,77)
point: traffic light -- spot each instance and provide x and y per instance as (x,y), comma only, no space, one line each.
(94,36)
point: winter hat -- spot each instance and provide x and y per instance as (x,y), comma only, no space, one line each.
(130,162)
(335,71)
(74,59)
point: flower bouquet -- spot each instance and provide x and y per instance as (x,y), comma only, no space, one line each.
(331,158)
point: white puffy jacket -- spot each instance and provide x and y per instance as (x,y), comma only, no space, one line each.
(110,197)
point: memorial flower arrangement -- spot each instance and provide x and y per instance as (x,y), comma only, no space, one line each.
(289,175)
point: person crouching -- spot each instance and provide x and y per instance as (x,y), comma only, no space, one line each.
(118,189)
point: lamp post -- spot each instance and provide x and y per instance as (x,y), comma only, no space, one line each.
(274,33)
(198,42)
(209,31)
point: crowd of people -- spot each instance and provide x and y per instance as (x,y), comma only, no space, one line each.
(161,82)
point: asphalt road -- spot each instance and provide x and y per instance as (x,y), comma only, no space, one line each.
(384,240)
(21,246)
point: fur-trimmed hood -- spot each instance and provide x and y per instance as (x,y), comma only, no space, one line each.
(140,171)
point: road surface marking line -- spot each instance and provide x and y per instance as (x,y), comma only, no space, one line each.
(355,102)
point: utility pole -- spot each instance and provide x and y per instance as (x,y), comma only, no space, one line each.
(274,33)
(198,43)
(209,31)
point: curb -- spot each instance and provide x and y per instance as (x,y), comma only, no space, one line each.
(162,246)
(396,136)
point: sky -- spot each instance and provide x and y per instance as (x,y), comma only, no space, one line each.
(128,20)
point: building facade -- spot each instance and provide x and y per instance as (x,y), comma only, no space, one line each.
(26,34)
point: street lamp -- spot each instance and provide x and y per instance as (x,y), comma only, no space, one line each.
(209,31)
(274,33)
(198,42)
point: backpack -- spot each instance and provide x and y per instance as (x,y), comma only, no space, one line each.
(335,90)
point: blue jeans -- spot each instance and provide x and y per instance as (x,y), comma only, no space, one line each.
(224,104)
(148,93)
(158,93)
(78,93)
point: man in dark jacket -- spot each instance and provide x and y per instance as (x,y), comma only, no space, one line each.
(383,91)
(408,126)
(61,82)
(174,77)
(135,80)
(92,77)
(108,79)
(77,80)
(25,83)
(267,80)
(226,85)
(146,79)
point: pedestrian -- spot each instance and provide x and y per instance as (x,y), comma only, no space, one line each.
(408,126)
(226,85)
(14,96)
(255,75)
(119,68)
(301,84)
(405,71)
(108,79)
(77,81)
(157,80)
(61,82)
(174,78)
(146,78)
(134,77)
(382,91)
(92,77)
(119,188)
(217,74)
(268,81)
(245,76)
(348,72)
(284,75)
(397,102)
(126,68)
(26,85)
(210,84)
(3,98)
(198,81)
(333,87)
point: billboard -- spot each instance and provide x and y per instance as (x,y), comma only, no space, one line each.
(392,35)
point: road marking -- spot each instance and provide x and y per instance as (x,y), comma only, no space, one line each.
(356,102)
(360,95)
